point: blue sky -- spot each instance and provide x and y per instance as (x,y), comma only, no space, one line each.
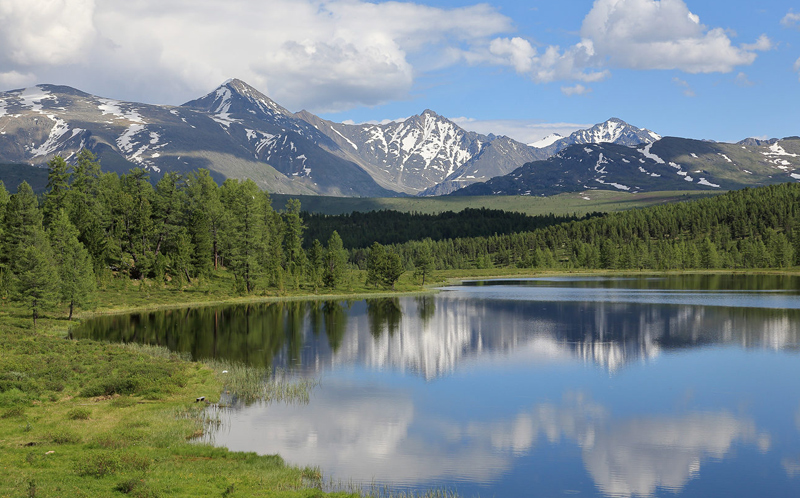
(692,68)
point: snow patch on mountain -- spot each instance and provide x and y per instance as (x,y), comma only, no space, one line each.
(114,107)
(135,141)
(60,128)
(32,98)
(646,153)
(345,138)
(546,141)
(707,183)
(777,150)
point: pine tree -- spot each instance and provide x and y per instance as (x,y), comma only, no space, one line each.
(57,188)
(208,218)
(293,239)
(244,231)
(392,270)
(335,261)
(423,262)
(35,274)
(73,263)
(376,260)
(315,264)
(22,219)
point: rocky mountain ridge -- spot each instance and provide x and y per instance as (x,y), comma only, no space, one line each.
(237,132)
(667,164)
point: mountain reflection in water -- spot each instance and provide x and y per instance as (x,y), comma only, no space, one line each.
(594,387)
(431,335)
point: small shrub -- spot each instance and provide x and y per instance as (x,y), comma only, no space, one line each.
(64,436)
(15,412)
(135,487)
(135,463)
(98,465)
(79,413)
(119,438)
(13,397)
(123,402)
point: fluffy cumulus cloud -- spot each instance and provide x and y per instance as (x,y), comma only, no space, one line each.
(791,20)
(320,54)
(650,34)
(551,64)
(631,34)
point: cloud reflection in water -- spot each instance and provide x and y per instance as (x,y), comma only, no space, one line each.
(378,434)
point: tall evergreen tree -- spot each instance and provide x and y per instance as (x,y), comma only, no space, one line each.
(244,231)
(73,263)
(293,239)
(138,227)
(57,188)
(207,219)
(84,201)
(315,264)
(35,274)
(376,260)
(335,261)
(392,270)
(22,219)
(423,261)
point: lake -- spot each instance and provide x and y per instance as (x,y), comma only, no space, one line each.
(683,386)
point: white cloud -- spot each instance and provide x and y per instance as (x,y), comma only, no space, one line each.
(578,89)
(524,131)
(631,34)
(650,34)
(15,79)
(797,65)
(791,20)
(321,54)
(45,31)
(687,88)
(553,64)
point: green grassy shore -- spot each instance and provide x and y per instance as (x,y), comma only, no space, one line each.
(86,419)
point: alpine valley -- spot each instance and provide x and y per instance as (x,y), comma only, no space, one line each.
(237,132)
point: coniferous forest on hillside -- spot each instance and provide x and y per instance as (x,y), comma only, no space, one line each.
(92,226)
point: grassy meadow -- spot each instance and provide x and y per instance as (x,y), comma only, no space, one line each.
(604,201)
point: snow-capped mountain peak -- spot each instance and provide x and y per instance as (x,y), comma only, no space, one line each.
(615,131)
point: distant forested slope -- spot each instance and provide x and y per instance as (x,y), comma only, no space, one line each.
(749,228)
(393,227)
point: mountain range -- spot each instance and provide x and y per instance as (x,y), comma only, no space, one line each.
(237,132)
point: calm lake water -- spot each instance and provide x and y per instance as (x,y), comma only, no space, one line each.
(604,387)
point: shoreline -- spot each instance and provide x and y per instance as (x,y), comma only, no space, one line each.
(155,424)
